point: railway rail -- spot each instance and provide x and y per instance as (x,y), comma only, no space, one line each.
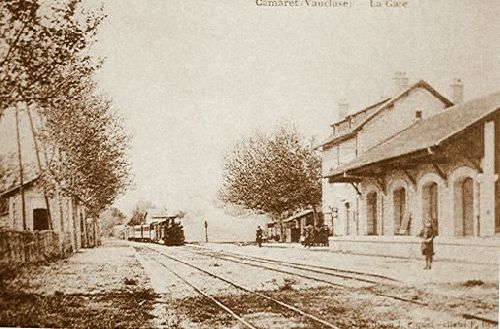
(257,263)
(331,271)
(225,307)
(244,259)
(347,275)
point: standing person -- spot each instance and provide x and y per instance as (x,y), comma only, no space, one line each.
(427,245)
(258,236)
(308,236)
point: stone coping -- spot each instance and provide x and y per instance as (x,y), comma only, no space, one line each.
(493,242)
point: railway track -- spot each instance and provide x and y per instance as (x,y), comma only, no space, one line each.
(258,263)
(331,271)
(237,286)
(348,275)
(243,259)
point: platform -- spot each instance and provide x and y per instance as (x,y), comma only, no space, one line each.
(472,250)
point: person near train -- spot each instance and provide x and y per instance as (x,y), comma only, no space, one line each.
(258,236)
(309,236)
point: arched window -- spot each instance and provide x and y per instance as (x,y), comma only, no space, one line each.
(401,217)
(430,204)
(371,213)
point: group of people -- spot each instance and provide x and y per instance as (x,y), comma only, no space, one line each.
(315,236)
(319,236)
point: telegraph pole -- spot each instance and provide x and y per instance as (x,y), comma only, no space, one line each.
(21,186)
(206,232)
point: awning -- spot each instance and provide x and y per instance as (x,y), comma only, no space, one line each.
(298,215)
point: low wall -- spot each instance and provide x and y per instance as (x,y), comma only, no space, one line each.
(472,250)
(30,246)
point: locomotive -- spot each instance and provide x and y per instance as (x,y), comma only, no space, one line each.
(158,228)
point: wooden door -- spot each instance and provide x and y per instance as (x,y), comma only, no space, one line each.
(399,200)
(468,207)
(371,213)
(430,205)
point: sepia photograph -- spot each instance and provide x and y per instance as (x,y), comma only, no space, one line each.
(249,164)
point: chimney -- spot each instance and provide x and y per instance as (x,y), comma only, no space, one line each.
(457,91)
(342,109)
(400,82)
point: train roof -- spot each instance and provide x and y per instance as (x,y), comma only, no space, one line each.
(158,215)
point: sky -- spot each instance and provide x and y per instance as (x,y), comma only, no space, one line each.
(191,77)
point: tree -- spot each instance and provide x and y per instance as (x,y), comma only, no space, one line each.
(90,148)
(139,212)
(43,48)
(275,173)
(109,219)
(47,71)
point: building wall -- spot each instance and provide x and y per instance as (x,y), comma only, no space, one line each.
(386,124)
(61,212)
(329,159)
(336,196)
(397,118)
(343,202)
(497,171)
(450,201)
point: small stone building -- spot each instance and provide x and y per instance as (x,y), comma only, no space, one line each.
(63,215)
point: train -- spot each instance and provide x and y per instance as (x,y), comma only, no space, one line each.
(158,229)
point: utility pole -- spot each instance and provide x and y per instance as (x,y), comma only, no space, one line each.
(21,186)
(206,232)
(35,143)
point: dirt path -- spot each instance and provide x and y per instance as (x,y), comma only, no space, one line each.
(104,287)
(346,308)
(464,288)
(124,284)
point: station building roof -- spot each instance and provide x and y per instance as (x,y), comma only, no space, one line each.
(378,108)
(425,133)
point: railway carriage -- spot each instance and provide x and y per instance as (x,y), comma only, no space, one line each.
(158,227)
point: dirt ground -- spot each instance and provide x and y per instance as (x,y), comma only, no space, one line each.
(134,285)
(345,308)
(97,288)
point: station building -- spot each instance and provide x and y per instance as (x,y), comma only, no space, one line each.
(413,158)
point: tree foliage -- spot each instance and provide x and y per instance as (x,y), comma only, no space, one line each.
(111,218)
(139,212)
(46,69)
(273,173)
(91,147)
(43,48)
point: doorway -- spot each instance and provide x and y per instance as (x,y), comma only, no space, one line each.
(40,219)
(371,213)
(464,207)
(430,205)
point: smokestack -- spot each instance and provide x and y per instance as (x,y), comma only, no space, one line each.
(342,109)
(400,82)
(457,91)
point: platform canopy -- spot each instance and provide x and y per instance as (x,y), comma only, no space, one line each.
(298,215)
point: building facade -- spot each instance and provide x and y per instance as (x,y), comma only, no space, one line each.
(416,158)
(62,215)
(356,133)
